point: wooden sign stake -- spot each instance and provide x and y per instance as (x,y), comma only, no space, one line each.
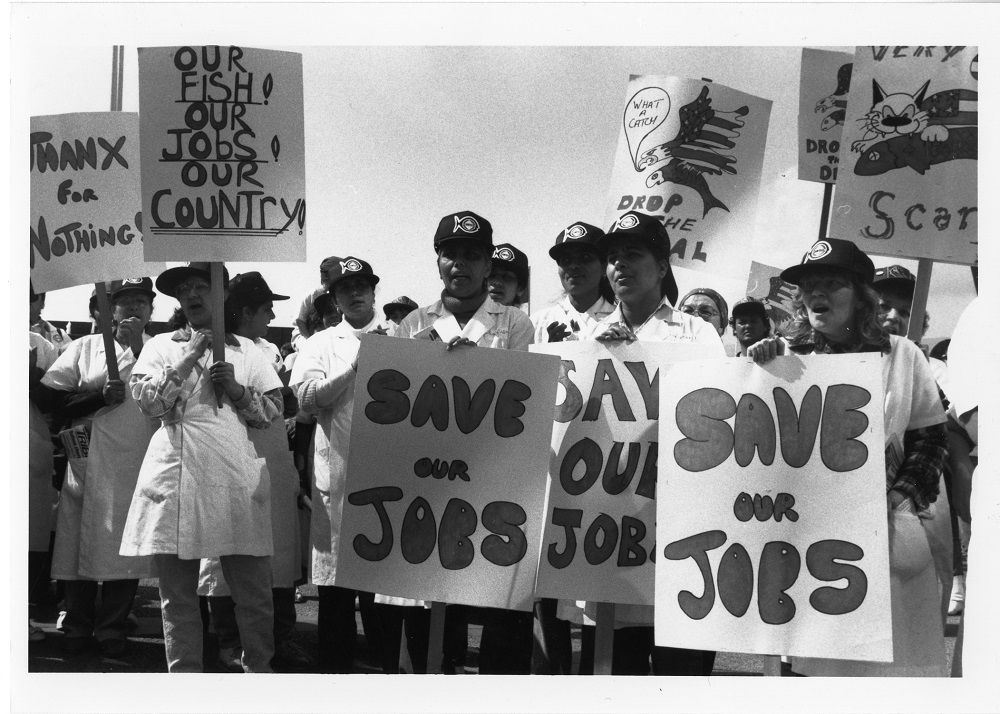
(218,322)
(919,307)
(824,218)
(104,320)
(435,643)
(604,638)
(772,663)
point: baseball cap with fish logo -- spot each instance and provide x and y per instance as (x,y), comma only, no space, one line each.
(464,225)
(649,230)
(578,233)
(349,267)
(138,285)
(895,277)
(832,253)
(507,256)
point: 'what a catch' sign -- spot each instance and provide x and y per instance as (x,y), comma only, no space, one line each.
(85,203)
(446,473)
(601,518)
(771,516)
(223,154)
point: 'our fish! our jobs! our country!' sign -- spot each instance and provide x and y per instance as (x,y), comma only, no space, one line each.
(825,81)
(85,204)
(690,153)
(445,485)
(601,516)
(771,517)
(223,154)
(907,181)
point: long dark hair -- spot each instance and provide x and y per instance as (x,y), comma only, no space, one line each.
(866,319)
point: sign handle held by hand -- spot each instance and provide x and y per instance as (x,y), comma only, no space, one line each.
(604,638)
(435,643)
(218,322)
(104,320)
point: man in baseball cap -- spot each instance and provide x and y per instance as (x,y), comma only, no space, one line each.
(894,285)
(399,308)
(749,323)
(308,314)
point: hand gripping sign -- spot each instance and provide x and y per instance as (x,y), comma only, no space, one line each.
(771,516)
(446,472)
(601,516)
(223,153)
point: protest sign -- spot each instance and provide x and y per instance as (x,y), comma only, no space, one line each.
(907,182)
(771,522)
(601,513)
(765,284)
(446,472)
(823,86)
(223,154)
(85,220)
(690,153)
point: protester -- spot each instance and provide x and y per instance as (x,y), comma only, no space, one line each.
(894,285)
(589,296)
(835,312)
(56,336)
(323,378)
(749,322)
(202,490)
(637,250)
(399,308)
(248,312)
(328,312)
(466,315)
(93,506)
(41,495)
(709,306)
(508,279)
(307,318)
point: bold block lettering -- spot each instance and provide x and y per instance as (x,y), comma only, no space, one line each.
(615,482)
(606,381)
(510,406)
(458,523)
(419,531)
(389,404)
(631,552)
(587,451)
(736,580)
(503,519)
(842,423)
(648,388)
(431,403)
(778,571)
(469,411)
(743,507)
(798,431)
(377,498)
(754,431)
(573,403)
(647,481)
(821,560)
(783,507)
(570,520)
(701,417)
(605,526)
(697,547)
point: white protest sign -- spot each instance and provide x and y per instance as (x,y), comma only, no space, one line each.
(85,202)
(823,86)
(446,472)
(601,514)
(690,153)
(223,154)
(907,184)
(772,529)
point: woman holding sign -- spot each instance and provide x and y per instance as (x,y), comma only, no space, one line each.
(323,379)
(92,509)
(637,250)
(466,315)
(203,492)
(836,311)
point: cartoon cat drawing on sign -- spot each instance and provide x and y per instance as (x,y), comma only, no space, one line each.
(908,130)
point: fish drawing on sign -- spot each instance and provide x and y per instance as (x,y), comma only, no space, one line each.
(839,97)
(911,131)
(833,119)
(697,149)
(778,301)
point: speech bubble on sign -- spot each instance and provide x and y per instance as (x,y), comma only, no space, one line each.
(645,111)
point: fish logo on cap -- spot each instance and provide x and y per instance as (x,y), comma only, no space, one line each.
(504,254)
(350,265)
(132,281)
(576,232)
(467,224)
(629,220)
(820,250)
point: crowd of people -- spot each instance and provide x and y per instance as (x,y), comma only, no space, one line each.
(199,470)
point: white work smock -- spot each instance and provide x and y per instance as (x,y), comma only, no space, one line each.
(94,504)
(492,325)
(41,496)
(203,491)
(581,325)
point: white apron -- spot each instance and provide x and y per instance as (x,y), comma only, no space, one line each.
(41,495)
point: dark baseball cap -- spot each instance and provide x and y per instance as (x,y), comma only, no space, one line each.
(832,253)
(649,230)
(168,280)
(401,303)
(750,306)
(139,285)
(507,256)
(895,277)
(464,225)
(350,267)
(252,289)
(578,233)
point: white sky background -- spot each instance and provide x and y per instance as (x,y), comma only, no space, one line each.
(523,132)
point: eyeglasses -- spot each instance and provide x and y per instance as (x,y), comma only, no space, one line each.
(704,312)
(185,290)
